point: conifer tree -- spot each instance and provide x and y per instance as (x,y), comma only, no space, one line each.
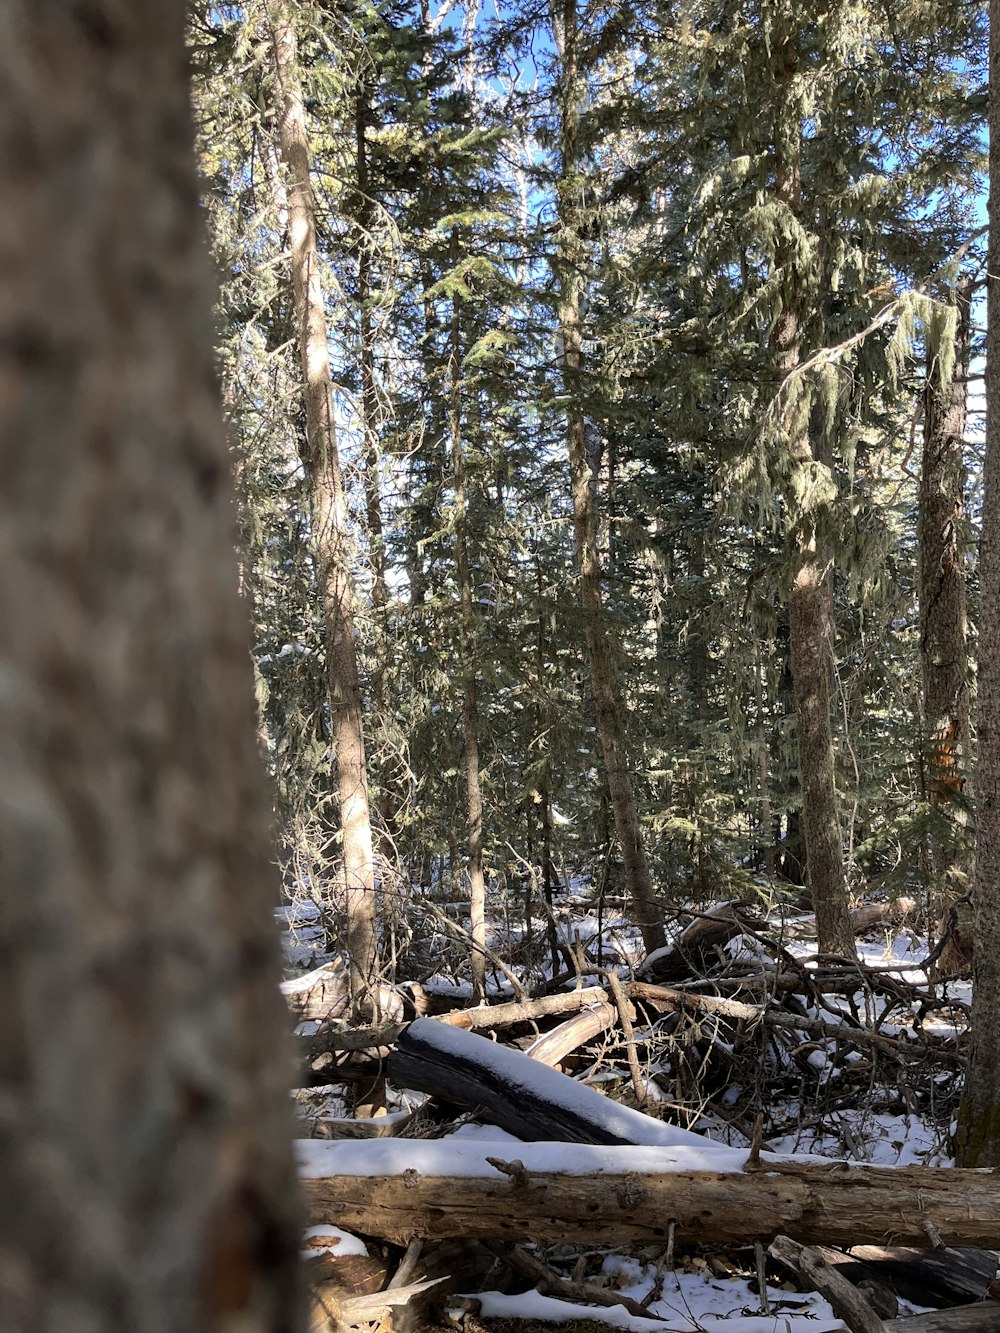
(329,509)
(944,649)
(978,1141)
(569,264)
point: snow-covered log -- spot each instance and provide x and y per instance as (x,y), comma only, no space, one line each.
(518,1093)
(569,1193)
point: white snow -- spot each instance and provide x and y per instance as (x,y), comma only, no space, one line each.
(308,979)
(466,1158)
(688,1318)
(337,1242)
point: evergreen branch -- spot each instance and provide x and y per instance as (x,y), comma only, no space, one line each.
(828,356)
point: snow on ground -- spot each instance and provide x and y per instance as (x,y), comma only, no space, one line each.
(693,1306)
(694,1301)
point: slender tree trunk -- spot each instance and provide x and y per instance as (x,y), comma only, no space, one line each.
(570,257)
(329,510)
(766,820)
(944,650)
(979,1117)
(470,700)
(369,394)
(810,603)
(541,793)
(148,1183)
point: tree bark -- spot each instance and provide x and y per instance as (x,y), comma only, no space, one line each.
(470,699)
(810,604)
(846,1301)
(944,650)
(322,463)
(369,393)
(979,1117)
(145,1155)
(569,263)
(632,1195)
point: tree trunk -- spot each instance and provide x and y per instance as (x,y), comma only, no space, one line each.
(369,395)
(979,1117)
(470,701)
(322,463)
(944,652)
(145,1147)
(631,1196)
(569,263)
(810,605)
(765,836)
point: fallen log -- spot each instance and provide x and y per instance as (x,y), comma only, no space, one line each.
(324,994)
(817,1275)
(692,953)
(573,1033)
(927,1277)
(897,912)
(568,1193)
(487,1016)
(479,1019)
(518,1093)
(981,1318)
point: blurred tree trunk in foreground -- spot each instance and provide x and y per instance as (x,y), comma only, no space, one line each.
(145,1163)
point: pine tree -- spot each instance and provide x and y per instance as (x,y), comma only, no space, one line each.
(978,1141)
(329,511)
(944,649)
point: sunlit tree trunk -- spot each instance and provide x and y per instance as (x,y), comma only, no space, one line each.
(979,1117)
(944,649)
(365,214)
(470,700)
(148,1183)
(322,463)
(810,603)
(569,263)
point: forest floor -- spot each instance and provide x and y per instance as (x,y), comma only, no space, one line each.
(804,1056)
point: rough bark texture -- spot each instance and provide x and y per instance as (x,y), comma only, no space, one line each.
(569,267)
(144,1119)
(365,218)
(810,604)
(979,1118)
(829,1203)
(470,692)
(818,1275)
(944,650)
(322,463)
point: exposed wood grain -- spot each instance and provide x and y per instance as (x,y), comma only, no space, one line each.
(846,1301)
(833,1204)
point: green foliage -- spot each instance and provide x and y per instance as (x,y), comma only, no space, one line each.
(689,261)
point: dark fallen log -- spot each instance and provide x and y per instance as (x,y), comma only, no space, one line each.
(845,1300)
(695,950)
(982,1318)
(517,1093)
(932,1276)
(572,1194)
